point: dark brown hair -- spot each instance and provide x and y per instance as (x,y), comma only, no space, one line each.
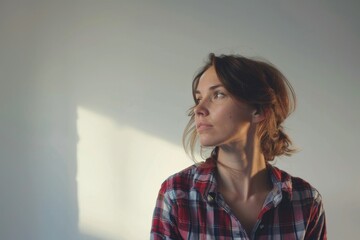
(259,84)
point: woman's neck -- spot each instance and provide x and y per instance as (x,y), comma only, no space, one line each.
(242,170)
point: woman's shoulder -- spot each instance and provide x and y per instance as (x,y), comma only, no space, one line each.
(188,178)
(301,189)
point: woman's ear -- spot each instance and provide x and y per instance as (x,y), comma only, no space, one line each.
(258,115)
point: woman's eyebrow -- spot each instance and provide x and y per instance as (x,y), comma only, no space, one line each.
(212,88)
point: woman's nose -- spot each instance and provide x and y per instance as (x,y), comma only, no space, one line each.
(201,109)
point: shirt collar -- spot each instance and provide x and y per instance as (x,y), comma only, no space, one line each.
(281,180)
(205,180)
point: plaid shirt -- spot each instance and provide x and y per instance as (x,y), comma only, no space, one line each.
(189,207)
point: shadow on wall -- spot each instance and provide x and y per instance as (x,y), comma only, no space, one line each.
(38,136)
(38,164)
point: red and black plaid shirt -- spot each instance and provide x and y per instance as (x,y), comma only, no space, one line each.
(189,207)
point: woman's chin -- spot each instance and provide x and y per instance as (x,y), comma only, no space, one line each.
(206,144)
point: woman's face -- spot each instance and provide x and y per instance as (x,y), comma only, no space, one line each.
(220,119)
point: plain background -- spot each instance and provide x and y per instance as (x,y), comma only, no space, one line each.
(94,94)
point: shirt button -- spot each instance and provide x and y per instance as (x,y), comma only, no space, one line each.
(210,198)
(261,226)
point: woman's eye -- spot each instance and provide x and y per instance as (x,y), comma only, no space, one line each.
(197,100)
(219,95)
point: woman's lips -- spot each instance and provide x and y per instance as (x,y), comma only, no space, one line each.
(200,127)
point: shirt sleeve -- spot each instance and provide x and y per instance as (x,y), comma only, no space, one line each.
(164,218)
(317,226)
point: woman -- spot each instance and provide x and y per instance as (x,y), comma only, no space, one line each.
(240,105)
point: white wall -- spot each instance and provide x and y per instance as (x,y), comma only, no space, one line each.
(93,100)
